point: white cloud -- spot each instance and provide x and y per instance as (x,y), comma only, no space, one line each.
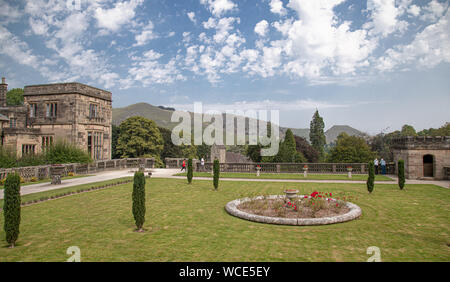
(147,70)
(262,28)
(8,13)
(385,17)
(414,10)
(428,49)
(18,50)
(219,7)
(147,34)
(434,10)
(276,7)
(122,13)
(191,16)
(268,104)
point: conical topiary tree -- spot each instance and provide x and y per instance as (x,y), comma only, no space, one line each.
(216,169)
(371,179)
(401,174)
(11,208)
(139,200)
(190,172)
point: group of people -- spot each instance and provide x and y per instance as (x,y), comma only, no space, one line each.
(380,164)
(202,163)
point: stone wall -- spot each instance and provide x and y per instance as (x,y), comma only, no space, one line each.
(413,149)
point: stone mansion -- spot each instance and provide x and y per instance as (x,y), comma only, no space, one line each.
(74,112)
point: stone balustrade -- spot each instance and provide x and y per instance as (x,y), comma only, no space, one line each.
(44,172)
(328,168)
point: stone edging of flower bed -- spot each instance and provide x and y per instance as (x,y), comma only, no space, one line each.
(354,213)
(67,194)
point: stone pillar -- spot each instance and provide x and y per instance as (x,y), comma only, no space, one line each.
(3,90)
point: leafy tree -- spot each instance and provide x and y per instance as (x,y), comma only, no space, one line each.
(442,131)
(303,146)
(170,150)
(288,151)
(254,153)
(14,97)
(190,172)
(138,137)
(203,151)
(12,208)
(371,178)
(350,149)
(216,170)
(408,130)
(138,196)
(114,138)
(401,174)
(317,135)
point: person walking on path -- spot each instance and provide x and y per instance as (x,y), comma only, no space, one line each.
(183,166)
(376,163)
(383,166)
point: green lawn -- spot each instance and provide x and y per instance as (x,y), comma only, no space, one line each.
(188,223)
(48,180)
(355,177)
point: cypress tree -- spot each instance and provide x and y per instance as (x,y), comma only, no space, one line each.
(216,170)
(11,208)
(401,174)
(190,172)
(371,179)
(139,200)
(317,135)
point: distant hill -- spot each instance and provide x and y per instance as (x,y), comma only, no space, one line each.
(332,133)
(162,116)
(158,114)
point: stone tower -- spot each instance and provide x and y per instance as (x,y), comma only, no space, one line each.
(3,90)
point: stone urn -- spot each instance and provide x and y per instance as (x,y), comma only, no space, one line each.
(258,171)
(349,171)
(56,172)
(291,193)
(305,171)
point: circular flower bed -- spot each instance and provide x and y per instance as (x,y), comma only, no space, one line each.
(314,209)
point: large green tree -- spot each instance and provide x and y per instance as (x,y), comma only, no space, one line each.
(317,134)
(303,146)
(14,97)
(442,131)
(350,149)
(408,130)
(114,138)
(139,137)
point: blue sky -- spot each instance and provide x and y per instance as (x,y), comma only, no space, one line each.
(374,65)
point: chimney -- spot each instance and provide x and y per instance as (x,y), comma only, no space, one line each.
(3,90)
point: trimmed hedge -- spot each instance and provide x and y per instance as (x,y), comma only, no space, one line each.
(190,172)
(216,170)
(139,199)
(401,174)
(371,179)
(12,202)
